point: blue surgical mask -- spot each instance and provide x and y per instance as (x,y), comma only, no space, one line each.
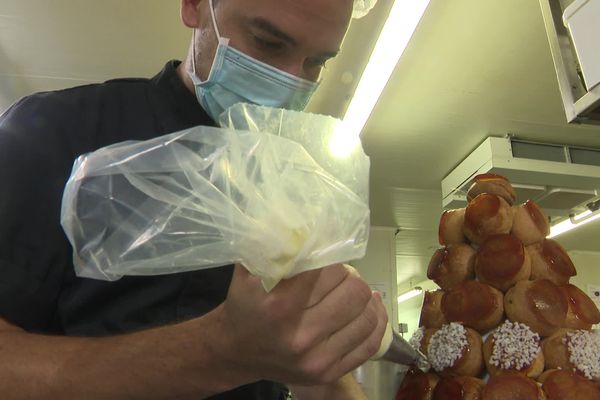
(238,78)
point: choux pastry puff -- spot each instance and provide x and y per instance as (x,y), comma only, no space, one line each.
(502,261)
(513,387)
(417,385)
(431,312)
(582,312)
(530,224)
(452,265)
(567,385)
(450,229)
(538,304)
(487,215)
(475,304)
(459,388)
(492,184)
(549,260)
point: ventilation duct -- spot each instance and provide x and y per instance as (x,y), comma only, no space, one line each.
(560,178)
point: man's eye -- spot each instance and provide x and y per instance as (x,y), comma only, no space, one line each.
(269,44)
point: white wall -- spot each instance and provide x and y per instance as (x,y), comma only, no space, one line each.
(380,379)
(378,268)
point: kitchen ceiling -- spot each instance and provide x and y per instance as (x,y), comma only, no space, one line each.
(473,68)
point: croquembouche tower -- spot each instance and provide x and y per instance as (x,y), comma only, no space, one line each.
(506,324)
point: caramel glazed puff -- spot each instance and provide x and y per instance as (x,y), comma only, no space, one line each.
(431,312)
(450,229)
(549,260)
(530,224)
(417,385)
(452,265)
(538,304)
(582,312)
(458,387)
(502,261)
(567,385)
(475,304)
(487,215)
(492,184)
(512,387)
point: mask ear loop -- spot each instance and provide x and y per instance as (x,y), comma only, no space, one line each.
(214,19)
(214,22)
(194,52)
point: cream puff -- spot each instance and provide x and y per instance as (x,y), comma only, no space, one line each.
(502,261)
(455,350)
(530,224)
(567,385)
(574,350)
(431,313)
(582,312)
(512,387)
(458,388)
(538,304)
(475,304)
(492,184)
(450,230)
(513,347)
(549,260)
(452,265)
(487,215)
(417,385)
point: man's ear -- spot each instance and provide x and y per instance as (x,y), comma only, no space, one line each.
(190,15)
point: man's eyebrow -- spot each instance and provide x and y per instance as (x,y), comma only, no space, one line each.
(267,26)
(270,28)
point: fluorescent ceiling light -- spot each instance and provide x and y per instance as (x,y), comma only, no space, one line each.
(393,39)
(410,294)
(573,222)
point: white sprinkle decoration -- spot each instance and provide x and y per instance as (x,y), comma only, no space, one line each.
(584,352)
(416,338)
(515,346)
(446,346)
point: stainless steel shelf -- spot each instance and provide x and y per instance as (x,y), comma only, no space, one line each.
(581,105)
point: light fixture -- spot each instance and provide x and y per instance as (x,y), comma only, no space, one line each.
(574,221)
(410,294)
(394,37)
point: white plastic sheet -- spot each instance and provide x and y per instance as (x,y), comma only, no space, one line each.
(264,191)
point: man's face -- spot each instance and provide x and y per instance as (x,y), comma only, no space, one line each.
(296,36)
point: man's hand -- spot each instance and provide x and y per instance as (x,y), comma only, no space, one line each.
(310,329)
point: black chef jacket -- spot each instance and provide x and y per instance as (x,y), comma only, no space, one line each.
(40,137)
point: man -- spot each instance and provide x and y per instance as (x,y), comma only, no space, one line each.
(182,336)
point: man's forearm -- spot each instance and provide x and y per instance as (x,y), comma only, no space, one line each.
(345,388)
(173,362)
